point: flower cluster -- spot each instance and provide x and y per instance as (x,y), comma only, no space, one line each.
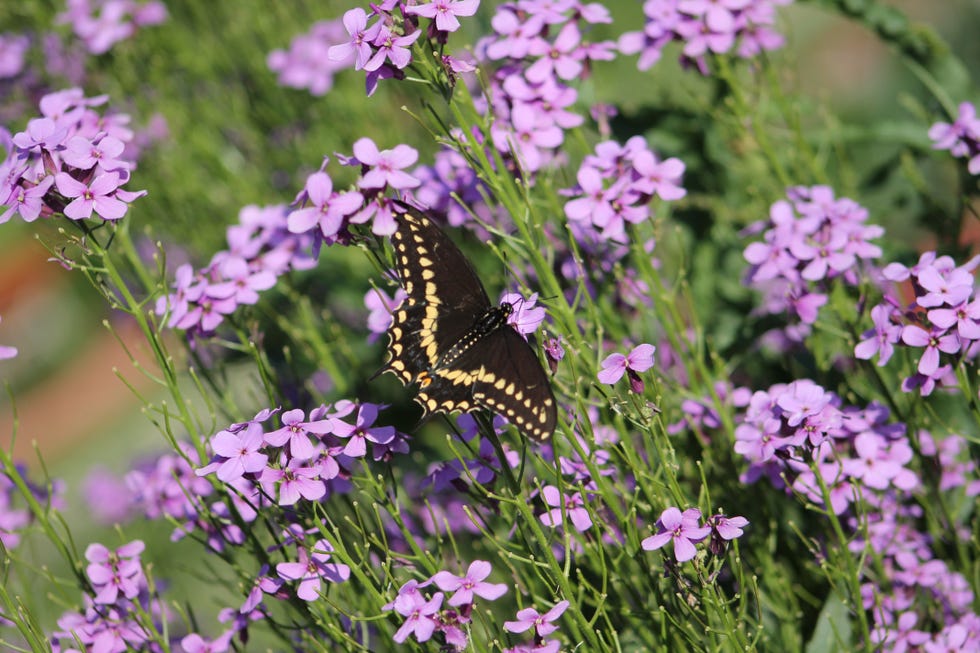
(260,250)
(306,64)
(809,240)
(615,186)
(943,318)
(839,456)
(684,530)
(426,616)
(801,434)
(100,24)
(117,614)
(962,138)
(704,27)
(540,50)
(381,49)
(71,160)
(300,459)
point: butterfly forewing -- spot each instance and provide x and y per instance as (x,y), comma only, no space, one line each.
(447,338)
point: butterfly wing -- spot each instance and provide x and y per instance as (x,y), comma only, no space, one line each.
(504,375)
(445,297)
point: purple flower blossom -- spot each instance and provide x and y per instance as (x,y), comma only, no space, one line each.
(555,353)
(381,307)
(810,240)
(933,341)
(361,36)
(326,210)
(72,148)
(470,585)
(102,24)
(421,618)
(237,454)
(99,196)
(13,48)
(724,529)
(961,138)
(312,61)
(313,566)
(615,365)
(526,317)
(363,431)
(297,432)
(296,480)
(682,528)
(115,573)
(542,623)
(391,47)
(882,339)
(572,505)
(444,12)
(703,26)
(385,166)
(615,186)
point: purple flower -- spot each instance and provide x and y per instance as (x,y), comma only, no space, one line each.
(555,352)
(327,209)
(361,37)
(308,63)
(115,572)
(313,566)
(933,341)
(445,12)
(85,154)
(962,138)
(13,47)
(296,480)
(27,200)
(297,433)
(392,48)
(561,59)
(103,196)
(951,287)
(572,505)
(526,317)
(359,434)
(421,620)
(802,399)
(470,585)
(615,365)
(386,165)
(681,528)
(101,25)
(880,340)
(542,623)
(724,529)
(238,453)
(380,307)
(530,134)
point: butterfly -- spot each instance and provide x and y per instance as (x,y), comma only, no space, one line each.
(450,341)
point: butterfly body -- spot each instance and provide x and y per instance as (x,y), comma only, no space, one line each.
(450,341)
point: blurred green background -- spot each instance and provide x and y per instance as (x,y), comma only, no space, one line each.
(236,137)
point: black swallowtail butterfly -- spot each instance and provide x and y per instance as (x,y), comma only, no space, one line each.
(448,338)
